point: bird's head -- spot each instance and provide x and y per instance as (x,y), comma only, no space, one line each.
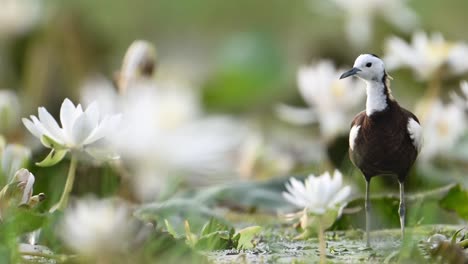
(368,67)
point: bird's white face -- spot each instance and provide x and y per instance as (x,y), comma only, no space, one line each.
(367,67)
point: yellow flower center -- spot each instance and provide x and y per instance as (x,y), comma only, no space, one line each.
(439,51)
(337,89)
(443,128)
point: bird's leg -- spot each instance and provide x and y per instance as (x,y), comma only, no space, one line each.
(367,206)
(402,209)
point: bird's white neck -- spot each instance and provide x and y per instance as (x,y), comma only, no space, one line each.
(376,97)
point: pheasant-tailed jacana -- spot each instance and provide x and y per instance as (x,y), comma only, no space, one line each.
(385,138)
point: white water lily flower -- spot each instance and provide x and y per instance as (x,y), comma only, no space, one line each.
(94,227)
(79,131)
(331,102)
(444,126)
(318,194)
(426,55)
(360,17)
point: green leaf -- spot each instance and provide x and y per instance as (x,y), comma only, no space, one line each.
(455,200)
(214,225)
(170,228)
(454,236)
(214,235)
(214,241)
(246,236)
(54,157)
(23,220)
(191,237)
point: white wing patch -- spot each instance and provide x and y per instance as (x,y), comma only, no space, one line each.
(415,133)
(353,135)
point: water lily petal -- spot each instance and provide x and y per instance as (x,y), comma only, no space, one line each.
(32,128)
(107,125)
(81,130)
(341,196)
(43,130)
(68,114)
(293,199)
(93,113)
(49,123)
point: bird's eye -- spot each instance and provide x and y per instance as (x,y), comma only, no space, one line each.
(368,64)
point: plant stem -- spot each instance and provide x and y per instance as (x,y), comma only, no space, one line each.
(322,243)
(62,204)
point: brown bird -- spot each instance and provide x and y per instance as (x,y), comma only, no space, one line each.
(385,138)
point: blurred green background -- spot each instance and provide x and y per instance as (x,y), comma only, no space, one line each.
(251,49)
(243,57)
(243,54)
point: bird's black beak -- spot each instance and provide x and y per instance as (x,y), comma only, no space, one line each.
(351,72)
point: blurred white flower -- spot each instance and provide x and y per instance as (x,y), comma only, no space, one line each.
(360,17)
(444,125)
(99,89)
(95,228)
(318,194)
(332,102)
(426,55)
(277,151)
(164,133)
(174,139)
(18,16)
(461,100)
(80,129)
(9,111)
(13,158)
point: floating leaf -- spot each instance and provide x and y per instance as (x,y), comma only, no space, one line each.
(215,241)
(54,157)
(246,236)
